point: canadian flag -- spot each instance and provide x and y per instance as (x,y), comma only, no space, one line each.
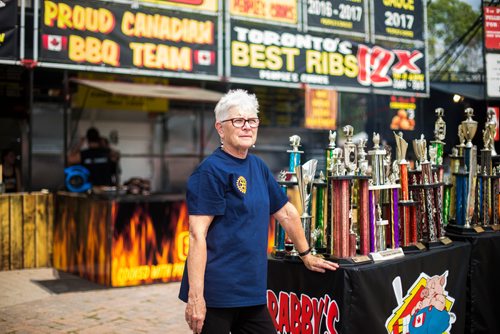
(419,320)
(54,42)
(204,57)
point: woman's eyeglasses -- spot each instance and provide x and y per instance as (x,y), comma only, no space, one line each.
(240,122)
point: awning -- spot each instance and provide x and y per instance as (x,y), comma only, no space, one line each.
(470,90)
(183,93)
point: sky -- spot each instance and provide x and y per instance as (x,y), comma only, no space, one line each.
(475,4)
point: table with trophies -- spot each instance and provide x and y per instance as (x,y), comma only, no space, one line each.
(404,235)
(474,215)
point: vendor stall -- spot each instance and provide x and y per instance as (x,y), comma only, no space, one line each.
(121,240)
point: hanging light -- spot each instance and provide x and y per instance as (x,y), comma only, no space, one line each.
(457,98)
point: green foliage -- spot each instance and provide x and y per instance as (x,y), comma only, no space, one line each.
(447,21)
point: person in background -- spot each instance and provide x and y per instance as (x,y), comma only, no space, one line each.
(11,175)
(99,160)
(230,197)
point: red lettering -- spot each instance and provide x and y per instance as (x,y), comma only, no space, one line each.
(303,315)
(374,65)
(364,65)
(282,11)
(332,317)
(381,61)
(407,61)
(306,316)
(295,314)
(272,306)
(318,309)
(283,320)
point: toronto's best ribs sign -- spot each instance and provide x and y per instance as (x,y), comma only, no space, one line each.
(256,42)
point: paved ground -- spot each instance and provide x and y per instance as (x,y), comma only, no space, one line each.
(47,301)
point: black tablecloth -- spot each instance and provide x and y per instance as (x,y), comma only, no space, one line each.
(362,298)
(483,294)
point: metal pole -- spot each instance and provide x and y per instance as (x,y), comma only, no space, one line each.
(67,98)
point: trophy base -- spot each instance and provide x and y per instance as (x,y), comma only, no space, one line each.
(388,254)
(414,248)
(488,228)
(292,258)
(440,243)
(350,261)
(496,227)
(278,254)
(463,230)
(322,250)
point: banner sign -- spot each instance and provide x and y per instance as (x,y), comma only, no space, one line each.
(208,5)
(403,108)
(287,56)
(342,16)
(321,109)
(8,29)
(493,75)
(398,20)
(492,28)
(373,298)
(118,36)
(269,11)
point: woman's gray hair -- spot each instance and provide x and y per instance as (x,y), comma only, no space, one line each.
(239,98)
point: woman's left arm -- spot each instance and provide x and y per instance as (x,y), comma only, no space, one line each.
(289,218)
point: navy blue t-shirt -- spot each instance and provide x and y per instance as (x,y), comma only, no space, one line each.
(241,194)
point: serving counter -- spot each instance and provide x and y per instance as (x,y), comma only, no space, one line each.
(121,240)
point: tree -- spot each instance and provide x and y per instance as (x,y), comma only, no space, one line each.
(454,27)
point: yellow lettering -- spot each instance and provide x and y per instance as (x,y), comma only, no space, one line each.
(239,54)
(313,62)
(93,50)
(50,13)
(351,66)
(290,58)
(161,56)
(400,4)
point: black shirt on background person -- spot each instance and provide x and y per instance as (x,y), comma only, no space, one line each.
(99,160)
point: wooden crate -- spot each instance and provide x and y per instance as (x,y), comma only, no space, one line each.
(26,230)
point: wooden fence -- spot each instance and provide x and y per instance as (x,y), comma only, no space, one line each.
(26,230)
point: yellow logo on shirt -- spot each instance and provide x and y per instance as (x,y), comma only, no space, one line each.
(241,183)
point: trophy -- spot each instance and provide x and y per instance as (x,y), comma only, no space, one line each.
(294,156)
(332,135)
(491,127)
(469,127)
(428,208)
(469,130)
(485,178)
(305,178)
(408,223)
(362,162)
(350,154)
(319,232)
(439,136)
(383,194)
(377,157)
(380,240)
(279,232)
